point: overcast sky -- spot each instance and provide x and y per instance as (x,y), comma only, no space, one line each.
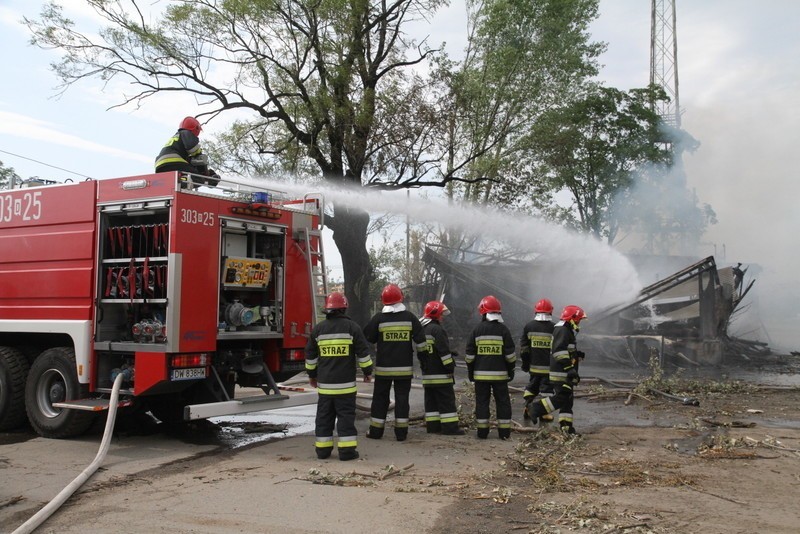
(740,94)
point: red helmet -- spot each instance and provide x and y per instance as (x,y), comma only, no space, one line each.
(435,310)
(391,295)
(489,304)
(191,124)
(336,301)
(573,313)
(543,306)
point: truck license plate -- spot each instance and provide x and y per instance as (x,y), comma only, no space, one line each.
(189,374)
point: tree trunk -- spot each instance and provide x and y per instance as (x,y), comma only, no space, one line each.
(349,227)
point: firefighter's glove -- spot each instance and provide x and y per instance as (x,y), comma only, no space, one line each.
(526,367)
(511,374)
(471,375)
(367,378)
(454,354)
(312,382)
(572,377)
(580,354)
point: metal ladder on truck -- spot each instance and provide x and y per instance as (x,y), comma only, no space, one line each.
(318,273)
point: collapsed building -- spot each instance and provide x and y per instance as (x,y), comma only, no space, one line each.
(681,319)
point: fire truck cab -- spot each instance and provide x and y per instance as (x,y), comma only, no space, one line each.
(188,290)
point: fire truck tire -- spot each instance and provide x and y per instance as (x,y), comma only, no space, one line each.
(13,372)
(53,378)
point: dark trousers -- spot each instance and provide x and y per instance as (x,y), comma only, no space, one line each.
(380,404)
(484,390)
(338,410)
(562,400)
(440,408)
(534,386)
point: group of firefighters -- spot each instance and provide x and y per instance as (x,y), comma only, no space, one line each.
(337,346)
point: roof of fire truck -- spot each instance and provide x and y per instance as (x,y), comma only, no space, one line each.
(236,189)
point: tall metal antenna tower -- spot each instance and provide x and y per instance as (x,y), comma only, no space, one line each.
(664,58)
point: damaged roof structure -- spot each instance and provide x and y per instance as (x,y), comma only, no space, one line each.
(682,318)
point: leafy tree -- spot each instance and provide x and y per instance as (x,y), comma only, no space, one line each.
(6,176)
(469,131)
(592,149)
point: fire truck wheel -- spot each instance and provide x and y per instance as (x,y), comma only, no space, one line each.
(13,372)
(53,378)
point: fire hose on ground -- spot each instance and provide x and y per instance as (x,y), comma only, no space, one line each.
(50,508)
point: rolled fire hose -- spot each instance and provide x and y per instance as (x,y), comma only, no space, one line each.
(49,509)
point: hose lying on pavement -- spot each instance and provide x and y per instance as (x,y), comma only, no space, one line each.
(50,508)
(688,401)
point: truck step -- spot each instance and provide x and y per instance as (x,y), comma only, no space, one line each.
(90,405)
(257,403)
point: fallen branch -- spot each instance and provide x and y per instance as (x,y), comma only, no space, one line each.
(392,471)
(714,495)
(732,424)
(12,500)
(771,446)
(622,528)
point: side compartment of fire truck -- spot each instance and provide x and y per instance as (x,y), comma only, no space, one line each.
(190,301)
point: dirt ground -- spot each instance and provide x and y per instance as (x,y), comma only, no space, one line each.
(643,463)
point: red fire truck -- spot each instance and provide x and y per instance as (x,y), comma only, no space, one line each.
(188,290)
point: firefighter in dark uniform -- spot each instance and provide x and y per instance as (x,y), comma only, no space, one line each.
(537,336)
(491,358)
(183,153)
(564,360)
(396,333)
(437,367)
(334,348)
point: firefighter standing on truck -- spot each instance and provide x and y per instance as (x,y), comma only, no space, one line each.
(396,332)
(564,376)
(182,152)
(491,358)
(334,348)
(437,367)
(535,342)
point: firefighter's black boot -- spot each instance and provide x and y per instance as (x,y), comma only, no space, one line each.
(568,429)
(526,410)
(323,454)
(433,427)
(451,429)
(483,433)
(401,434)
(504,433)
(374,432)
(348,454)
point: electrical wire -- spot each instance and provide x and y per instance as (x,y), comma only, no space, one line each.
(46,164)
